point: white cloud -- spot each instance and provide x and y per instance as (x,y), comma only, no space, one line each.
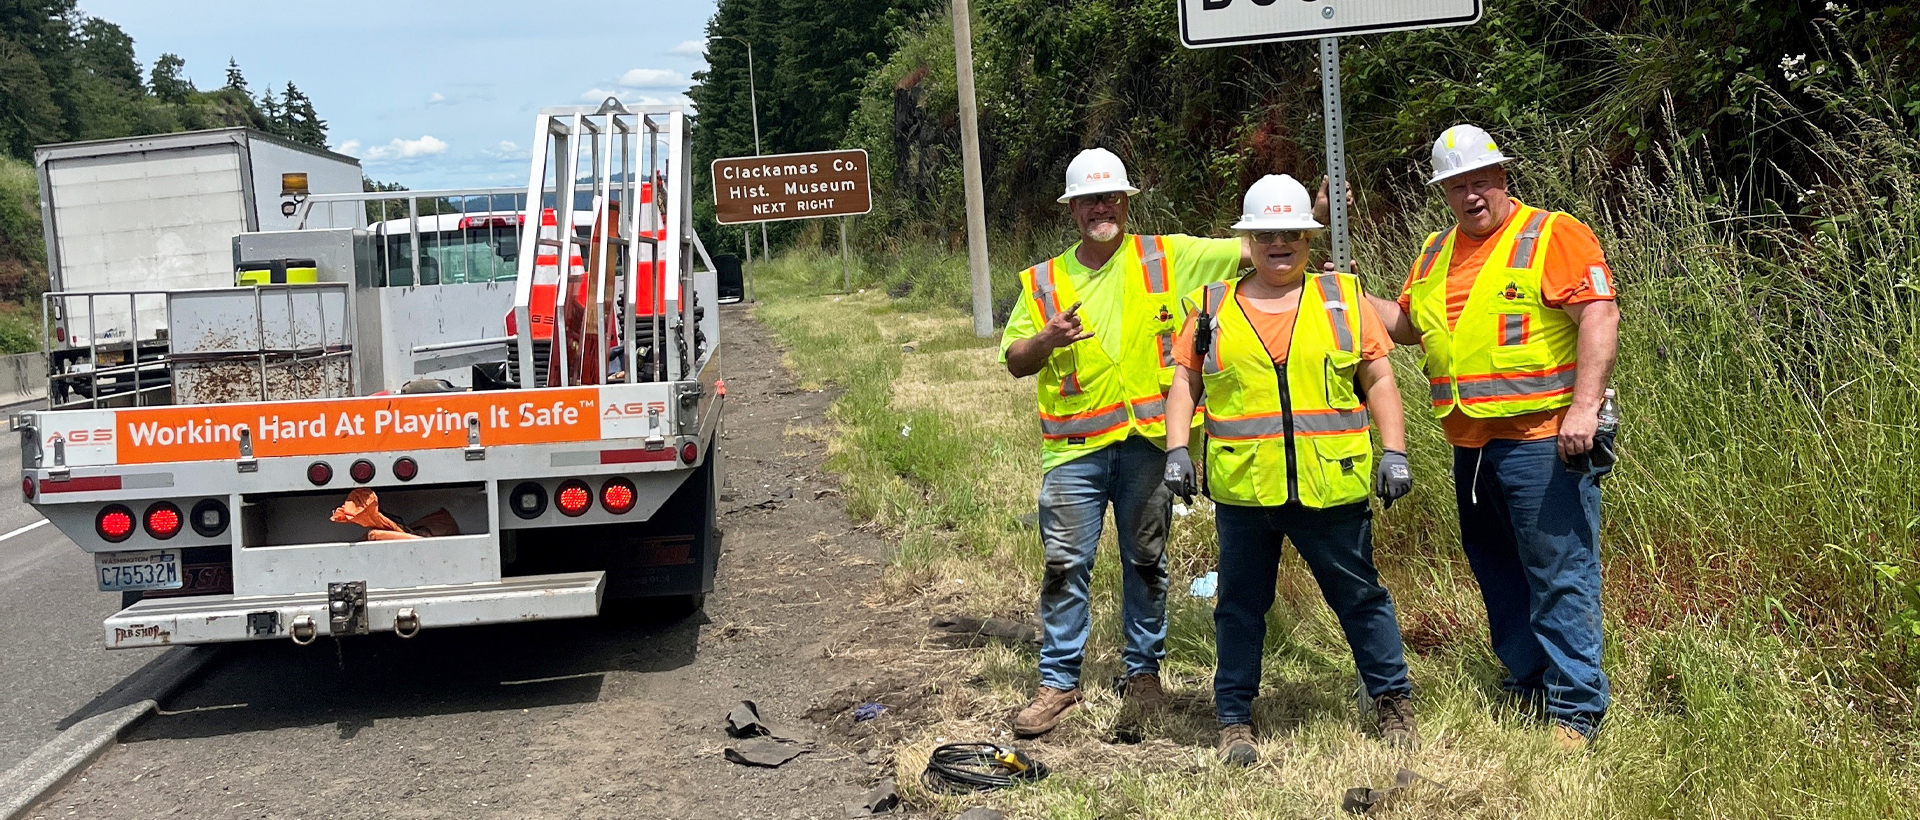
(436,98)
(652,78)
(597,94)
(505,150)
(426,145)
(350,148)
(691,48)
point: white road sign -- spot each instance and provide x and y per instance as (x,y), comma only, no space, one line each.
(1211,23)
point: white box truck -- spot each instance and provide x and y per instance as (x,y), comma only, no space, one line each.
(147,215)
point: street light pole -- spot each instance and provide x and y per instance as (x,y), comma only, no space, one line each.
(753,106)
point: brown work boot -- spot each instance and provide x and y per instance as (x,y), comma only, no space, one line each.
(1568,739)
(1145,696)
(1236,745)
(1044,713)
(1393,713)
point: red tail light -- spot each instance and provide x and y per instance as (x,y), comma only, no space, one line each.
(689,453)
(362,471)
(616,496)
(319,473)
(115,523)
(405,468)
(573,497)
(28,489)
(163,520)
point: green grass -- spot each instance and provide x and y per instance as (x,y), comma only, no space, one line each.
(1761,540)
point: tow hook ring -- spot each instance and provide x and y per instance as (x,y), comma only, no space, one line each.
(302,631)
(406,624)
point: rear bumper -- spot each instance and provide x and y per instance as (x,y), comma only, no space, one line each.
(223,618)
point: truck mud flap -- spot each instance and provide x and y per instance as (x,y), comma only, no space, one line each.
(223,618)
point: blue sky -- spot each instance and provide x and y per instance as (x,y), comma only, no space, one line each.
(430,94)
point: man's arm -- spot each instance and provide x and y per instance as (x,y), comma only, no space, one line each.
(1599,323)
(1027,356)
(1399,324)
(1182,397)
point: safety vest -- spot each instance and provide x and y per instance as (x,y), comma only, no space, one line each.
(1088,400)
(1510,354)
(1296,431)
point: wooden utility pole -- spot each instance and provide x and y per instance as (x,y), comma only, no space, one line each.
(970,160)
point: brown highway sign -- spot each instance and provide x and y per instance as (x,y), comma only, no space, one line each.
(791,186)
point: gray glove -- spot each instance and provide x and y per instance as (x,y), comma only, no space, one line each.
(1393,477)
(1180,475)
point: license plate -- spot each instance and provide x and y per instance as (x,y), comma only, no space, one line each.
(129,571)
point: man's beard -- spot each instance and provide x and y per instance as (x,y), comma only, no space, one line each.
(1104,232)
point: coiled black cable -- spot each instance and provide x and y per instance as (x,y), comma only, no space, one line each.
(961,768)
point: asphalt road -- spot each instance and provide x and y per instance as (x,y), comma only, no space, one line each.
(52,666)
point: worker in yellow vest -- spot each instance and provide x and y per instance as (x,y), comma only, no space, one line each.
(1095,325)
(1294,370)
(1515,306)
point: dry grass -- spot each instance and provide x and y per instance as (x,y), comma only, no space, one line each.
(1715,715)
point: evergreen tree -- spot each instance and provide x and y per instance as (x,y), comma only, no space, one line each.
(302,122)
(168,82)
(274,113)
(29,114)
(107,52)
(235,81)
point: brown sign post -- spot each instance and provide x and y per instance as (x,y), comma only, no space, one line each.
(791,186)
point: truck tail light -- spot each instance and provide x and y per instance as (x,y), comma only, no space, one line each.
(362,471)
(529,501)
(405,468)
(28,489)
(115,523)
(209,517)
(573,497)
(319,473)
(616,496)
(163,520)
(689,452)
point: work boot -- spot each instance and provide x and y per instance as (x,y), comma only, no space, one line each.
(1236,745)
(1044,713)
(1393,713)
(1568,739)
(1145,696)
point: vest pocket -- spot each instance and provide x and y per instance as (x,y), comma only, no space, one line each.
(1231,477)
(1345,463)
(1341,372)
(1527,358)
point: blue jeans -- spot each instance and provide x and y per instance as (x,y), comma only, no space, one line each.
(1337,544)
(1073,503)
(1531,531)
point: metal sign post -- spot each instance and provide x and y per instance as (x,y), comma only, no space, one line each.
(1336,152)
(1215,23)
(846,266)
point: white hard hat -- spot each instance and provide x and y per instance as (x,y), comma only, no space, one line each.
(1096,171)
(1464,148)
(1277,203)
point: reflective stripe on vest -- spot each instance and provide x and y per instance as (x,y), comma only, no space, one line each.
(1090,423)
(1153,263)
(1047,295)
(1529,237)
(1149,409)
(1434,246)
(1273,425)
(1329,288)
(1511,386)
(1166,349)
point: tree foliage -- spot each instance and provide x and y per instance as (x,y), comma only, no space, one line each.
(810,58)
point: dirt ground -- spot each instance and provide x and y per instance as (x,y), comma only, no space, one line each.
(617,717)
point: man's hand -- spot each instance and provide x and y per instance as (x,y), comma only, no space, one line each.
(1064,329)
(1179,476)
(1323,204)
(1393,477)
(1576,431)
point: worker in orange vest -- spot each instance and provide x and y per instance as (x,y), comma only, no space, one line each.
(1515,307)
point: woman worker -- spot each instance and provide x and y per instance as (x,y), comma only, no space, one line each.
(1291,365)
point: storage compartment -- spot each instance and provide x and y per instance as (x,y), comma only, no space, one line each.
(304,518)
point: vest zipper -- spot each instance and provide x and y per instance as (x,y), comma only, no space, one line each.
(1286,426)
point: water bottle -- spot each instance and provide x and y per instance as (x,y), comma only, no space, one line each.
(1600,460)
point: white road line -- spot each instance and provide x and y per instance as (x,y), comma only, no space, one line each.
(26,529)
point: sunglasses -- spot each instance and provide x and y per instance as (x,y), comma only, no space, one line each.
(1270,237)
(1108,198)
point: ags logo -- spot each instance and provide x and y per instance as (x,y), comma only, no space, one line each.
(1096,175)
(101,436)
(633,409)
(1279,209)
